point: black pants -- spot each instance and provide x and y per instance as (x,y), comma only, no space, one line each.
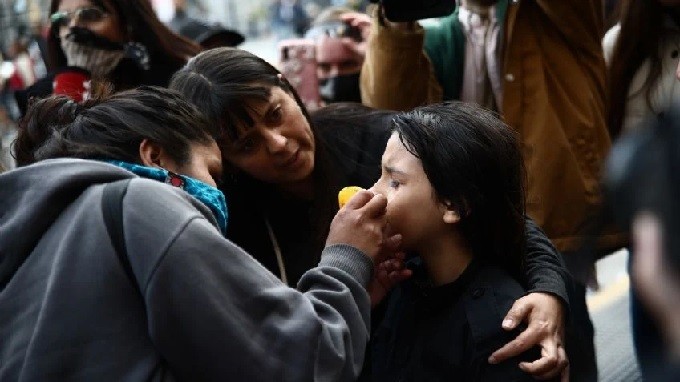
(579,341)
(647,338)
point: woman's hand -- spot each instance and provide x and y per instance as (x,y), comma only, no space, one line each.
(386,276)
(361,224)
(545,316)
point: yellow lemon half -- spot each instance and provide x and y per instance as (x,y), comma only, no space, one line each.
(346,194)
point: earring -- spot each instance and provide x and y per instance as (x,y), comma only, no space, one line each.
(174,180)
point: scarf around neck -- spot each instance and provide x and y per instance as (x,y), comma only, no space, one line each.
(208,195)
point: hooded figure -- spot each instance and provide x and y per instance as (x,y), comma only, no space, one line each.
(152,290)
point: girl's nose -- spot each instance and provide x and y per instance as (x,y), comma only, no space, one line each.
(375,189)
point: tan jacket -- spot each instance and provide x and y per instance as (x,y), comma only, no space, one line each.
(553,94)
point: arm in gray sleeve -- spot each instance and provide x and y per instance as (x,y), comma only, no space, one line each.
(215,313)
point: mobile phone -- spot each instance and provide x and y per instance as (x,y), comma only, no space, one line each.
(407,10)
(297,62)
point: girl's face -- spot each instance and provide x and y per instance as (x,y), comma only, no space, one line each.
(279,148)
(85,14)
(412,209)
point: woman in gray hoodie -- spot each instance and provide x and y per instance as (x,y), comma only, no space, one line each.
(149,289)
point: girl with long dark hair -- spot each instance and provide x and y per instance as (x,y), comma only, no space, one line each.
(454,181)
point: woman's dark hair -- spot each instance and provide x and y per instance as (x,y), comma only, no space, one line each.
(167,49)
(642,28)
(224,83)
(110,127)
(473,161)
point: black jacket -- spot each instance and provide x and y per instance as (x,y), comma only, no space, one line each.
(447,332)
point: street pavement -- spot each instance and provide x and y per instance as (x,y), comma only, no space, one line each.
(610,311)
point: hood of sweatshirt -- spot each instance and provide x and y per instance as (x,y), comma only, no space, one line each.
(33,197)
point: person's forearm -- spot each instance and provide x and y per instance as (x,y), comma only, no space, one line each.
(215,312)
(396,73)
(545,268)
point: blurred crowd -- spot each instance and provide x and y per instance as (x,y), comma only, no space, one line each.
(168,202)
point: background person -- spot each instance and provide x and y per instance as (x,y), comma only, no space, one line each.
(120,41)
(340,35)
(643,58)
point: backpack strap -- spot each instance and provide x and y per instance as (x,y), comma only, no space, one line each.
(112,209)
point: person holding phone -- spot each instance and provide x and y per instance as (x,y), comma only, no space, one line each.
(340,36)
(334,49)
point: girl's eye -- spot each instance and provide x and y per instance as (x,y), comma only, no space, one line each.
(394,183)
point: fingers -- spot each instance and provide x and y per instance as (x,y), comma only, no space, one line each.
(392,244)
(523,342)
(356,19)
(375,206)
(359,199)
(551,364)
(519,311)
(565,374)
(358,49)
(391,272)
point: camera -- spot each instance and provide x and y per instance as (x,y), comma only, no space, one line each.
(643,174)
(407,10)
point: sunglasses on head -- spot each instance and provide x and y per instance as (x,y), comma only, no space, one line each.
(83,15)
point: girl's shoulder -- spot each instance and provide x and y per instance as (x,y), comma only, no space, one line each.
(486,300)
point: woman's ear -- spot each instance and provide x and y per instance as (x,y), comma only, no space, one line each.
(451,217)
(450,213)
(151,154)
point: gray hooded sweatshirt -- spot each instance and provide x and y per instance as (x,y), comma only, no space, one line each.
(207,310)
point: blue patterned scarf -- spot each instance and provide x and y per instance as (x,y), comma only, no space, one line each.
(208,195)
